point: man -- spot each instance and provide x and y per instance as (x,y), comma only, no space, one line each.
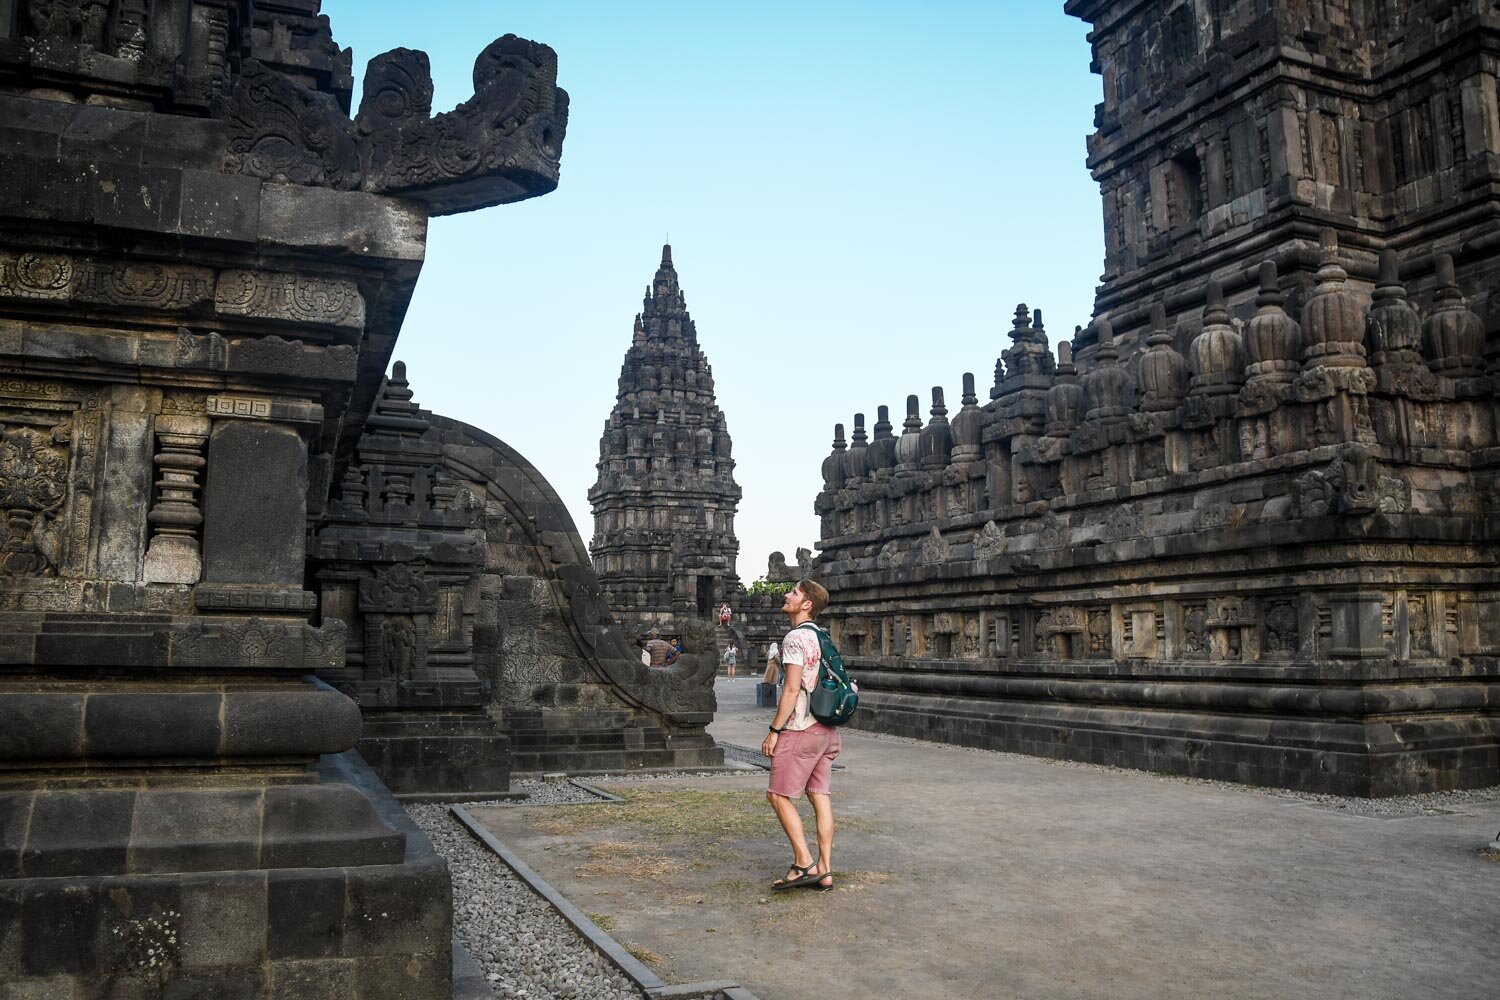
(659,650)
(731,660)
(801,748)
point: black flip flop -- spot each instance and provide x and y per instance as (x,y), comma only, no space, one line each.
(800,880)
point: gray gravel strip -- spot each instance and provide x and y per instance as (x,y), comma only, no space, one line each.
(524,947)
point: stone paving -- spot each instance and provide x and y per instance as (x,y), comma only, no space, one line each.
(974,874)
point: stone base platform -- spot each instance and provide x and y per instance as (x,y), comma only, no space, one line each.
(369,933)
(437,753)
(1366,729)
(603,741)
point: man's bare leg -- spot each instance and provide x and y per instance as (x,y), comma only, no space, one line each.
(823,815)
(791,823)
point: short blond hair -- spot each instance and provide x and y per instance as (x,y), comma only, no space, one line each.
(816,593)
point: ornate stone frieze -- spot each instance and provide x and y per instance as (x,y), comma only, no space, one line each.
(292,411)
(296,298)
(398,589)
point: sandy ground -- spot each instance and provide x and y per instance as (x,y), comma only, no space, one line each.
(973,875)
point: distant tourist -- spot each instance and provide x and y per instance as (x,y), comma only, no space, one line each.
(725,614)
(773,666)
(676,651)
(801,748)
(659,650)
(731,660)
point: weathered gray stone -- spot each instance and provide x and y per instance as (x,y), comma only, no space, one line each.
(203,268)
(487,644)
(1258,547)
(254,504)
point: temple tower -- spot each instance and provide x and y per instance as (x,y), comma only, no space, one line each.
(664,503)
(1232,133)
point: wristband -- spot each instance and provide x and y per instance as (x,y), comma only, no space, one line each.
(775,730)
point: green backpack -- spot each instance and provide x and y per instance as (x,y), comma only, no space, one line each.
(834,697)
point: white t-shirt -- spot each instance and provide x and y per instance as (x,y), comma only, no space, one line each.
(801,648)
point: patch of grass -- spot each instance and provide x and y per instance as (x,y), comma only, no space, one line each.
(644,954)
(1490,854)
(704,817)
(855,881)
(665,813)
(618,859)
(603,921)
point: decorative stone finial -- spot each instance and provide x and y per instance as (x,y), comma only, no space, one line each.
(1333,319)
(967,424)
(1393,329)
(394,412)
(1273,340)
(880,457)
(833,465)
(855,461)
(1065,402)
(666,255)
(859,436)
(1027,355)
(1455,335)
(913,415)
(1217,353)
(937,436)
(1108,389)
(908,446)
(1162,371)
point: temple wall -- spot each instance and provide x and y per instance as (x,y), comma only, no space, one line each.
(1270,561)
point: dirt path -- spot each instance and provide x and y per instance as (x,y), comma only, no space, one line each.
(968,875)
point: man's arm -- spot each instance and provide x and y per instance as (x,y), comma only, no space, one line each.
(785,707)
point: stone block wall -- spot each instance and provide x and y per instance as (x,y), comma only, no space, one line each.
(1270,561)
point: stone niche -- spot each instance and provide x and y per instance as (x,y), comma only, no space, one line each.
(478,640)
(204,261)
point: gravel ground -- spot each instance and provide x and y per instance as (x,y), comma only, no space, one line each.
(523,946)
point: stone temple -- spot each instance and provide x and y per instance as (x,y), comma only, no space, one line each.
(1242,526)
(227,537)
(664,546)
(478,638)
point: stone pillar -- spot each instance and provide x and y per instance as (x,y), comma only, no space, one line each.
(173,555)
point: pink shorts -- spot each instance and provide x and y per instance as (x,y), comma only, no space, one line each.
(804,760)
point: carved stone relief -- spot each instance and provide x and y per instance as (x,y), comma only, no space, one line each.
(33,489)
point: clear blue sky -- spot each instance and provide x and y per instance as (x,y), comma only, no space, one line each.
(857,194)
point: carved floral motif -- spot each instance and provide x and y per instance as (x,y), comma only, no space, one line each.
(934,548)
(398,589)
(282,131)
(989,541)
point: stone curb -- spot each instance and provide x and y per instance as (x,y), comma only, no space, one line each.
(594,790)
(611,950)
